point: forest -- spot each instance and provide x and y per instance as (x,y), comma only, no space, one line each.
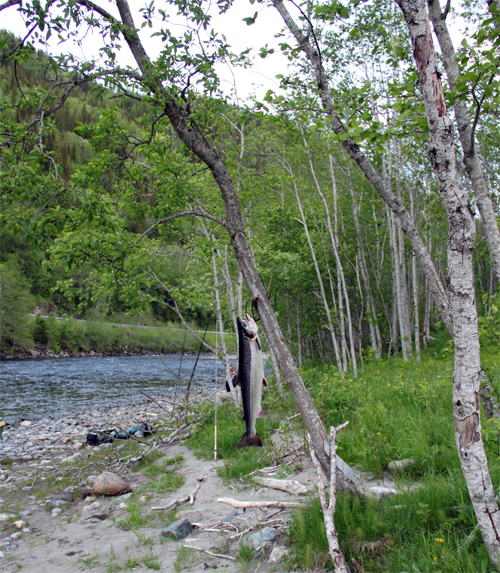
(354,211)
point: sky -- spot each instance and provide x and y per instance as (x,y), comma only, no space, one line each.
(249,82)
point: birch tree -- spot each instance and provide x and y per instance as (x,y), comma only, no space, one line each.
(462,229)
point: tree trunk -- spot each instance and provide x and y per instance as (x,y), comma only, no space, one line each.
(461,236)
(466,133)
(320,281)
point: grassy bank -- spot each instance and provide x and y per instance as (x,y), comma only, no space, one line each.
(75,336)
(396,410)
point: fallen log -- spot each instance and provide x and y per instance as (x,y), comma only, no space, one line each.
(258,504)
(288,485)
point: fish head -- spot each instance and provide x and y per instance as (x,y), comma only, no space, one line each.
(248,326)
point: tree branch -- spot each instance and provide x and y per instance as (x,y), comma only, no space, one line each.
(177,216)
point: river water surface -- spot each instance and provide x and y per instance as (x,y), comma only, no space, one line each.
(37,388)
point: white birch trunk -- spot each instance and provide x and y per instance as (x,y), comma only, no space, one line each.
(466,134)
(320,281)
(310,49)
(461,236)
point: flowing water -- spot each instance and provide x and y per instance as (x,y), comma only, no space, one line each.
(38,388)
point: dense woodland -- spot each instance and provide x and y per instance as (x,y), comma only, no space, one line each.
(346,212)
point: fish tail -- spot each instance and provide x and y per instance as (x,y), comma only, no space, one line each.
(246,441)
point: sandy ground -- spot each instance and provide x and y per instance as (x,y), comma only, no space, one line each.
(77,541)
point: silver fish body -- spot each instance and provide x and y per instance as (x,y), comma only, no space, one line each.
(251,379)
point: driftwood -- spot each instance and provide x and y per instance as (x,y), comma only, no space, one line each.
(338,559)
(210,553)
(185,499)
(288,485)
(258,504)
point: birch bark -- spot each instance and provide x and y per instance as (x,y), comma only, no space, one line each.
(466,133)
(460,283)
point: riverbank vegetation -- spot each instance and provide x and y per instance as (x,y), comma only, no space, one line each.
(47,336)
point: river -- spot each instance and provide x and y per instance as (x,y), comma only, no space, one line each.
(37,388)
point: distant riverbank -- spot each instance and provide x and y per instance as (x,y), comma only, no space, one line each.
(53,337)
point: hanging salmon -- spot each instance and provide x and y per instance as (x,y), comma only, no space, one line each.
(251,379)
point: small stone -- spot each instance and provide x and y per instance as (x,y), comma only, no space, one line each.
(56,511)
(142,498)
(19,524)
(400,465)
(264,536)
(15,536)
(109,483)
(25,513)
(277,553)
(178,530)
(84,491)
(77,446)
(122,505)
(2,556)
(57,502)
(26,423)
(26,529)
(66,496)
(5,516)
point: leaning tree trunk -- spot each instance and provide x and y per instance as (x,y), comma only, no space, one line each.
(236,228)
(461,236)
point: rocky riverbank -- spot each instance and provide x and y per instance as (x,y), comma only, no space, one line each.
(26,439)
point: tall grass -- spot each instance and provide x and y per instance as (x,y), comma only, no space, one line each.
(397,410)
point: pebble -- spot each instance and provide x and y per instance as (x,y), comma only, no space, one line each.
(277,553)
(15,536)
(2,556)
(5,516)
(56,511)
(19,524)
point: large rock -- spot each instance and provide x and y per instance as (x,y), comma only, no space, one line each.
(110,484)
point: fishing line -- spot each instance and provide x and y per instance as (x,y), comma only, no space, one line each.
(197,358)
(180,365)
(216,360)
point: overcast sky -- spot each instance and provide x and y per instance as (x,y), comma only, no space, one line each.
(250,81)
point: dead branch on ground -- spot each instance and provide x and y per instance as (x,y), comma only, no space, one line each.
(338,559)
(185,499)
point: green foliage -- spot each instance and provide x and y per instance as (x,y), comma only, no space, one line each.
(16,302)
(396,410)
